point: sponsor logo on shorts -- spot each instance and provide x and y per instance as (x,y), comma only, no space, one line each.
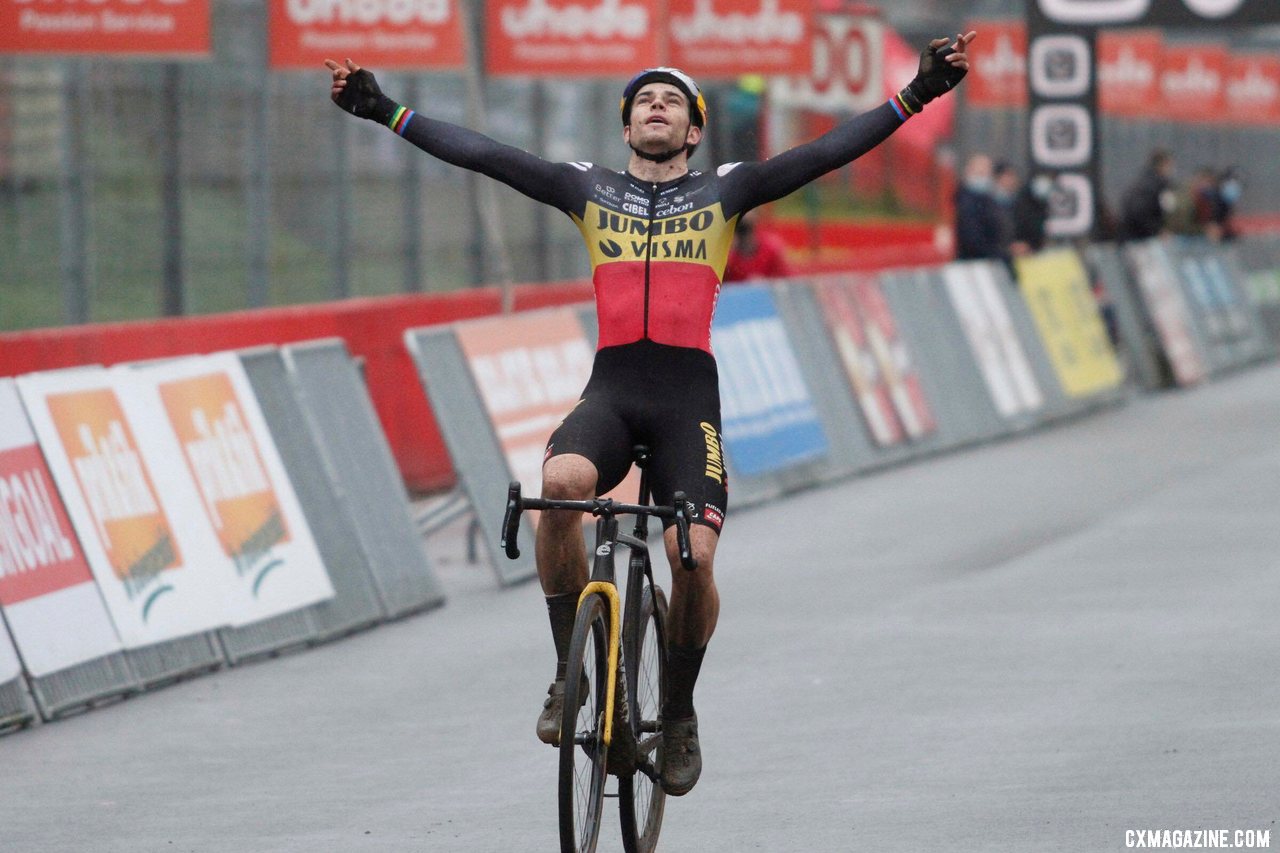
(713,514)
(715,459)
(547,455)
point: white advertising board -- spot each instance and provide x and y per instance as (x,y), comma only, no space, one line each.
(50,599)
(231,484)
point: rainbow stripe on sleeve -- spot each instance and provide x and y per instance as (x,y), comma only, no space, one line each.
(400,119)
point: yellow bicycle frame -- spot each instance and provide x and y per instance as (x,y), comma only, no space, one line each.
(609,591)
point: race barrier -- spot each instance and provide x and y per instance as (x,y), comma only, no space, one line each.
(819,378)
(167,518)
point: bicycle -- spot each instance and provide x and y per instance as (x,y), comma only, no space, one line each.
(613,646)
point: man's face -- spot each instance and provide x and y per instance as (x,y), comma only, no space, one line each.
(660,120)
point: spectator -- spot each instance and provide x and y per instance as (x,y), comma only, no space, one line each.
(1005,191)
(755,253)
(1230,188)
(1030,215)
(978,230)
(1149,200)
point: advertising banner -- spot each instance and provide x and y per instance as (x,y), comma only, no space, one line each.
(727,38)
(1129,63)
(1197,13)
(1193,83)
(48,593)
(768,418)
(10,666)
(530,370)
(1168,310)
(1056,289)
(164,28)
(1253,89)
(235,485)
(998,64)
(381,34)
(571,38)
(846,72)
(989,330)
(876,361)
(155,588)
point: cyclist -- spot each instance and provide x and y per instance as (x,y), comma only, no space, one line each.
(659,236)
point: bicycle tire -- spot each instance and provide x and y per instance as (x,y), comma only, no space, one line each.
(582,749)
(641,800)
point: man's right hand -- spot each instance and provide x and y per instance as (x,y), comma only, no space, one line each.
(355,91)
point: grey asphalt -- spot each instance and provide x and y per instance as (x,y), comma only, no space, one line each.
(1032,645)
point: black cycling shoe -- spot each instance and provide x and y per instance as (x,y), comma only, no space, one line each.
(679,757)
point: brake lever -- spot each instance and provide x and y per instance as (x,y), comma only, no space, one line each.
(682,533)
(511,522)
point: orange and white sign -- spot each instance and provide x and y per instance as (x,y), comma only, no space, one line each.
(1253,89)
(860,365)
(530,370)
(998,67)
(136,27)
(1193,83)
(846,72)
(1129,63)
(571,37)
(91,433)
(728,38)
(50,599)
(379,34)
(232,492)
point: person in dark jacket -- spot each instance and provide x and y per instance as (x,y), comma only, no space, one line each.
(979,233)
(1149,201)
(1030,215)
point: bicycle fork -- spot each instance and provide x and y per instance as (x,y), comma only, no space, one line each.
(610,592)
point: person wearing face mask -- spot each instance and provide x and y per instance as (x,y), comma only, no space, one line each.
(1030,213)
(979,234)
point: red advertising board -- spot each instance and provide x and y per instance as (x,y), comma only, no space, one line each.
(380,34)
(39,553)
(1193,83)
(133,27)
(1253,89)
(998,65)
(571,37)
(1129,63)
(727,38)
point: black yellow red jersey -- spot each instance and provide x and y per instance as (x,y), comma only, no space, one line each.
(658,250)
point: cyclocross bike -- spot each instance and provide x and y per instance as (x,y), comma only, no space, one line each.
(615,676)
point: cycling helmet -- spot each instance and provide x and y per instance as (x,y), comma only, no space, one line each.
(677,78)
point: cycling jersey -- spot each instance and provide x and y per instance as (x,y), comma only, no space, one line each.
(658,250)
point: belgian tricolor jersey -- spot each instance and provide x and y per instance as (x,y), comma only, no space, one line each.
(658,250)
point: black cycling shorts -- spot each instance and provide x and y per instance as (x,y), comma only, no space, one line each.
(666,398)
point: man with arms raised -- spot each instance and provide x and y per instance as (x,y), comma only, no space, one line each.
(659,236)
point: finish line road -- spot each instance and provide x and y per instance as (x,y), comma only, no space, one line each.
(1034,645)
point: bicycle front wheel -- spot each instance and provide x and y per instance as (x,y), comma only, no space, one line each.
(582,749)
(640,796)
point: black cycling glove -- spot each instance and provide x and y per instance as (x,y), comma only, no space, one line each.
(363,99)
(936,77)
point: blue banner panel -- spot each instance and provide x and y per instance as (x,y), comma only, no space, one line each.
(769,420)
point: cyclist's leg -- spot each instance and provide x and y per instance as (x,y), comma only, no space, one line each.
(589,450)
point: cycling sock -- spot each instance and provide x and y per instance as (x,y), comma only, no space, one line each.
(562,609)
(683,664)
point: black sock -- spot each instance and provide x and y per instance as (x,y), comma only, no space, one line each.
(683,664)
(562,609)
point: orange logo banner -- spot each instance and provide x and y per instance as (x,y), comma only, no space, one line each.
(571,37)
(998,68)
(1193,82)
(380,34)
(726,38)
(226,464)
(164,27)
(134,531)
(1253,89)
(1129,64)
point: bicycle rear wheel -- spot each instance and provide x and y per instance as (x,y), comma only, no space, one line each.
(582,749)
(640,797)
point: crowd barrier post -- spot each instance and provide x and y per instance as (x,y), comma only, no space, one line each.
(344,425)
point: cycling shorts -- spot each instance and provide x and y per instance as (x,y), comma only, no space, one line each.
(666,398)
